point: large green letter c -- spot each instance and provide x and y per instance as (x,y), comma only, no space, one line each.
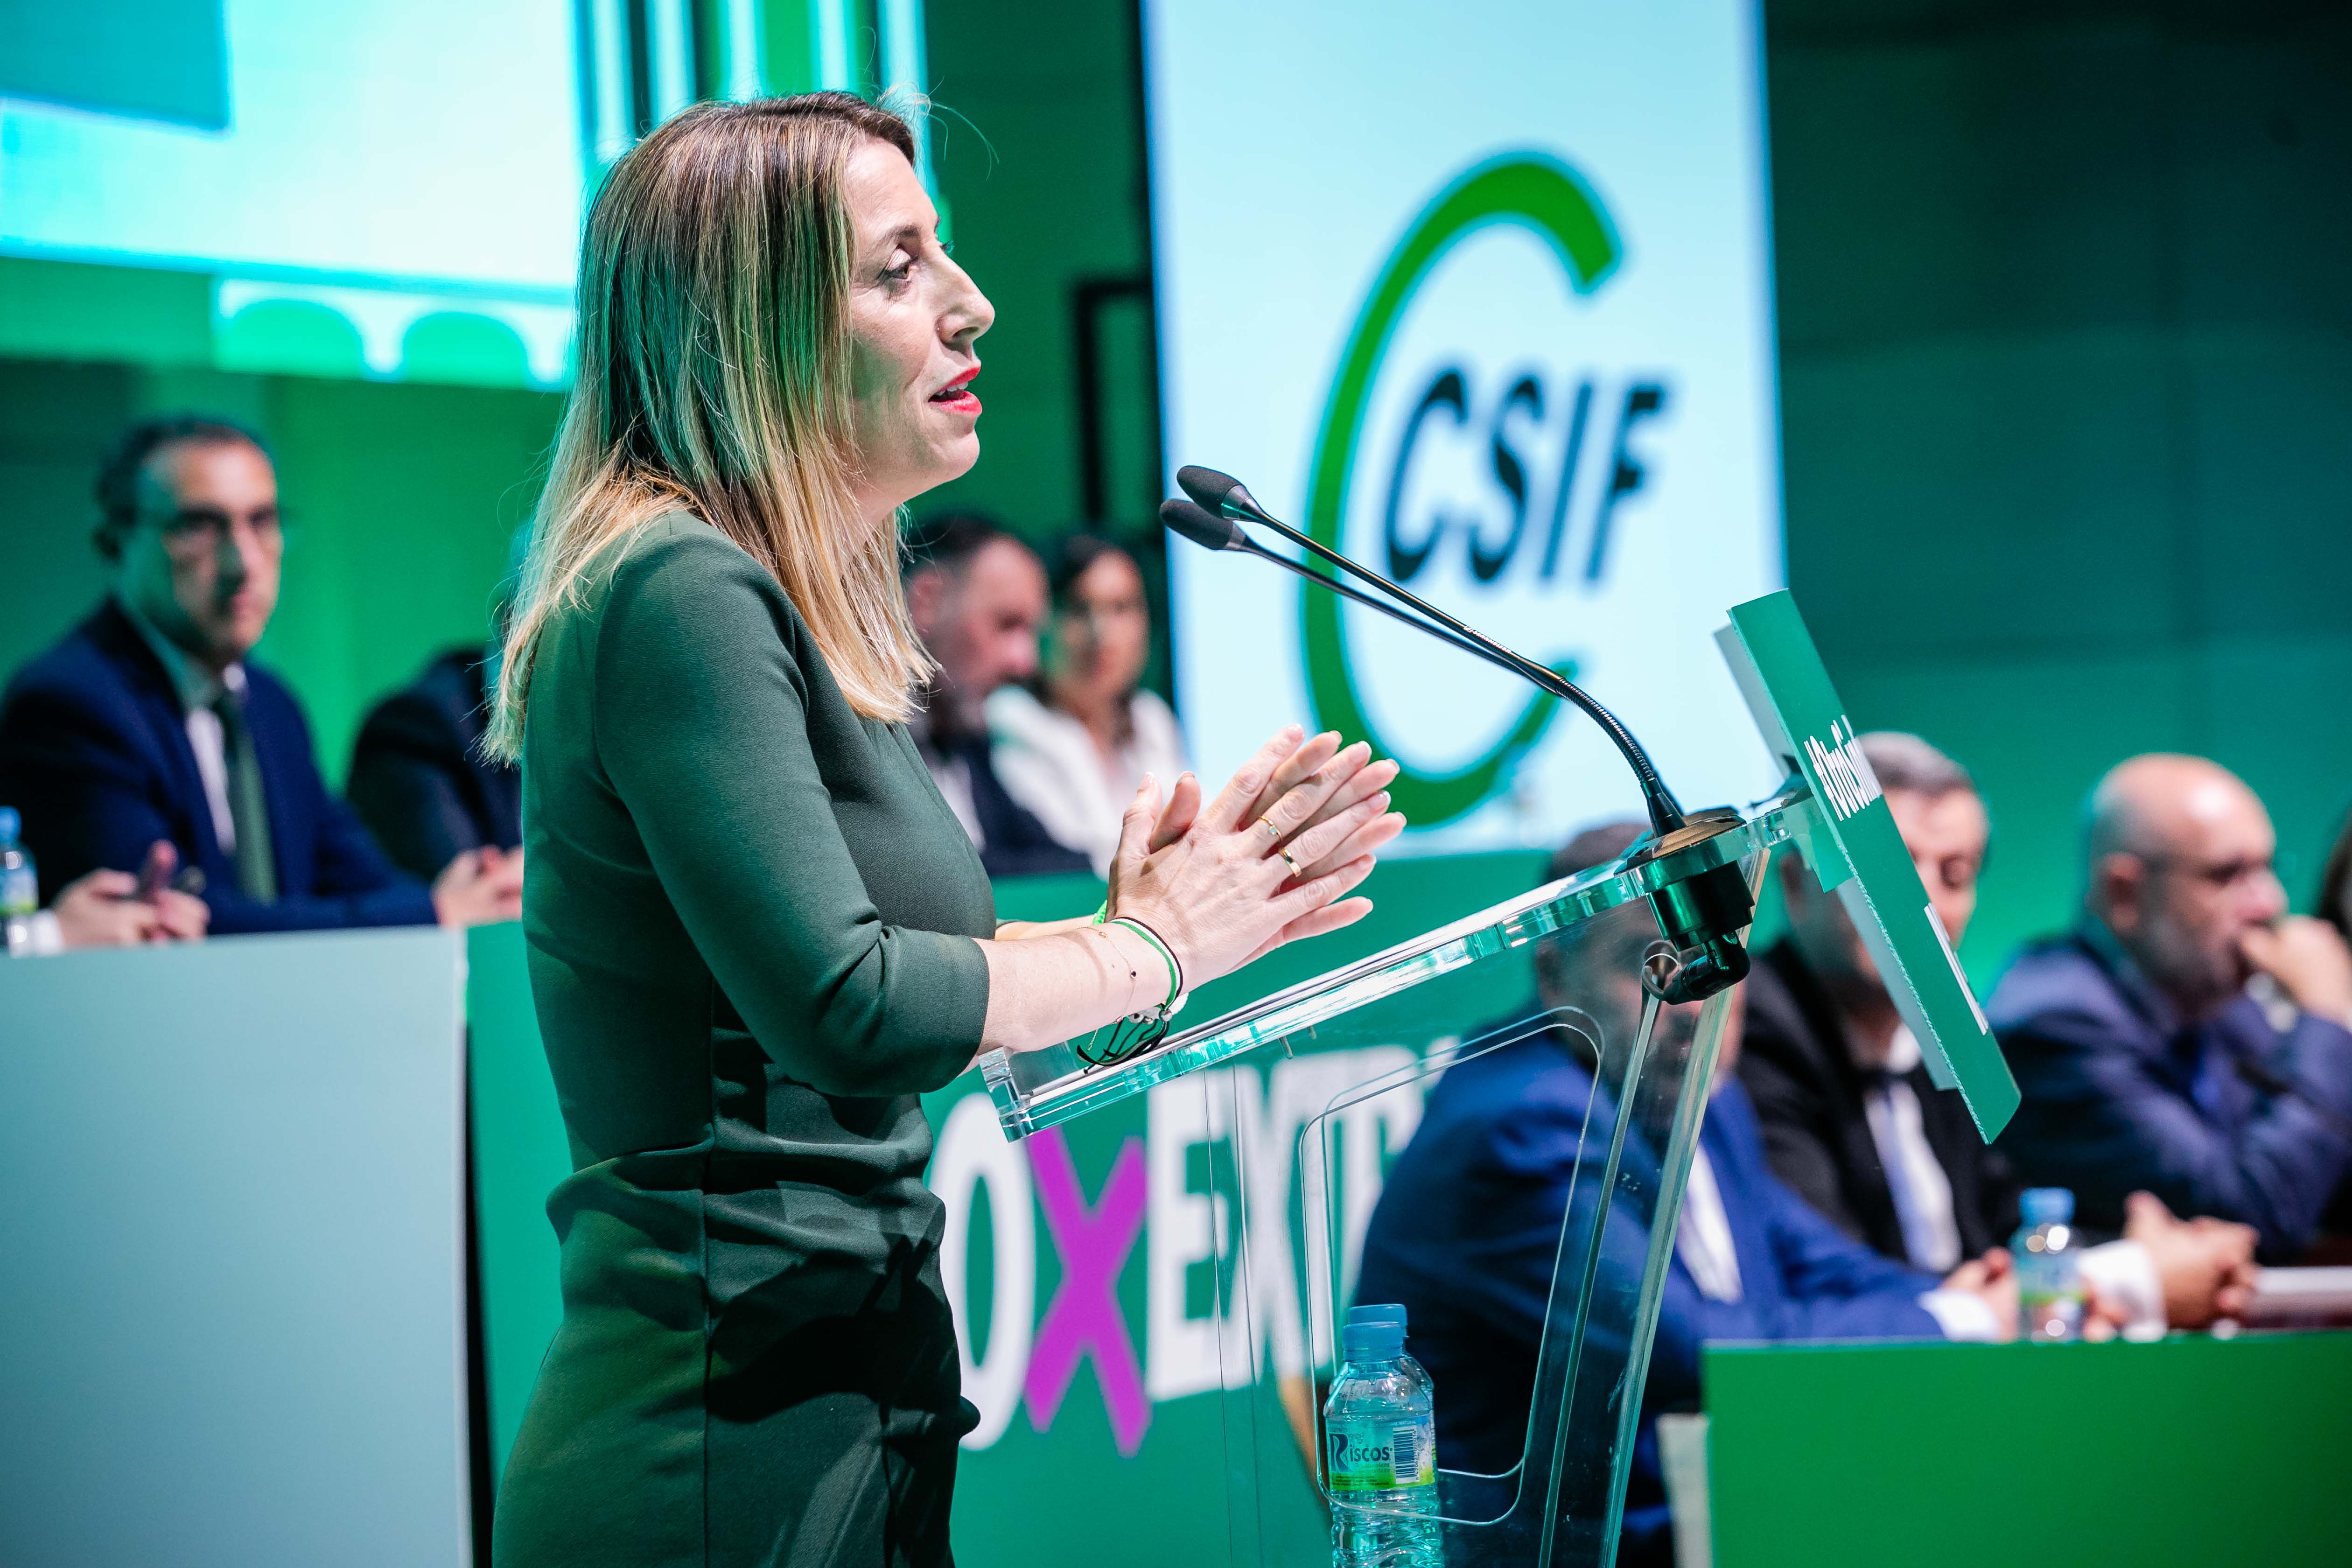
(1546,196)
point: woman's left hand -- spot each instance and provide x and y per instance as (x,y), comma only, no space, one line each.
(1365,778)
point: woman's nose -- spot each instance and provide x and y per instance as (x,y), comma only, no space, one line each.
(969,314)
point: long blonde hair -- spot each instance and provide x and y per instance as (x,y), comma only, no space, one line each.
(714,378)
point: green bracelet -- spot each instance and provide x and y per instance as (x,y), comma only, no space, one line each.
(1175,974)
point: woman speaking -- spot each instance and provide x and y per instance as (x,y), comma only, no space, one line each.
(756,931)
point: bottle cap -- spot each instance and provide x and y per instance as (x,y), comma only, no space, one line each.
(1378,1312)
(1372,1341)
(2047,1206)
(9,823)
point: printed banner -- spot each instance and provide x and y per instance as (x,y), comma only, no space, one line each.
(1480,296)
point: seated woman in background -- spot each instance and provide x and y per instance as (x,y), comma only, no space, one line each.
(1076,749)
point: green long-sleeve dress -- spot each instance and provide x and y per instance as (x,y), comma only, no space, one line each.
(750,917)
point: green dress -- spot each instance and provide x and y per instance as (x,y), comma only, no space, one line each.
(750,917)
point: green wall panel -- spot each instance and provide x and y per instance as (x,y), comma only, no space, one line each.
(2066,378)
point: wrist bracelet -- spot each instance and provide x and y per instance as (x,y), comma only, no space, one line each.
(1175,970)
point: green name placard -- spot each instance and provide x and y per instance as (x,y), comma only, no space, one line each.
(1858,853)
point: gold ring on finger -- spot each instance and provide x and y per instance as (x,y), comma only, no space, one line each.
(1265,820)
(1292,861)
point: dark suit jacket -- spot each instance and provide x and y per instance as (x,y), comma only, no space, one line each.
(1795,1064)
(94,752)
(418,778)
(1467,1232)
(2121,1093)
(1014,843)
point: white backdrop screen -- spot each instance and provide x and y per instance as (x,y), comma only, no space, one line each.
(1482,296)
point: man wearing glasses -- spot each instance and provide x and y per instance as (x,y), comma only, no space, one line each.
(1853,1121)
(148,723)
(2143,1061)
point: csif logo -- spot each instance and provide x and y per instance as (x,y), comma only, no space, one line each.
(1844,773)
(1475,437)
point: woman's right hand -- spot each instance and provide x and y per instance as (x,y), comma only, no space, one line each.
(1267,861)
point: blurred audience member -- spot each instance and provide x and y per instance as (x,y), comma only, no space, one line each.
(1075,758)
(2143,1061)
(2334,903)
(115,909)
(1466,1234)
(419,780)
(1853,1123)
(976,596)
(149,722)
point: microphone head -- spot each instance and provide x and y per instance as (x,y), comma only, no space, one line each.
(1220,493)
(1202,527)
(1207,486)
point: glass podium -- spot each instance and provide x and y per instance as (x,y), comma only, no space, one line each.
(1507,1163)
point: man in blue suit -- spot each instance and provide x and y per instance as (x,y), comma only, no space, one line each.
(149,721)
(1469,1223)
(2142,1059)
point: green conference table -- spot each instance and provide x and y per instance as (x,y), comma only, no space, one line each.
(2189,1450)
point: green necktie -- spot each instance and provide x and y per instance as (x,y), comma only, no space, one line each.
(248,809)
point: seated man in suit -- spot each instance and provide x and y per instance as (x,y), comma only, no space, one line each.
(2143,1060)
(149,721)
(418,778)
(1468,1226)
(977,596)
(1855,1126)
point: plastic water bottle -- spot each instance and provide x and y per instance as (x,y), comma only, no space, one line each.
(2049,1267)
(1381,1449)
(20,888)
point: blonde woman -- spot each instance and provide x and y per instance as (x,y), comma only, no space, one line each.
(756,931)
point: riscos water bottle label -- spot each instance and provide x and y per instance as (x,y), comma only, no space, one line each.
(1375,1457)
(20,894)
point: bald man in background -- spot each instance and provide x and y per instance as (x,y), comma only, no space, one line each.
(2143,1060)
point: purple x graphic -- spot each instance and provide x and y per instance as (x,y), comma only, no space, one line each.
(1085,1319)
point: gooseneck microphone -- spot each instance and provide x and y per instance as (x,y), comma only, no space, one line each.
(1229,498)
(1212,532)
(1700,916)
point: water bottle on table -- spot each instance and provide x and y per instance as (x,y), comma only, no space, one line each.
(2049,1267)
(20,888)
(1379,1449)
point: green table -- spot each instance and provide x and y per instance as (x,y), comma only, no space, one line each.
(2190,1450)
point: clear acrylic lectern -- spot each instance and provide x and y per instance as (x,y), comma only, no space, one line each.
(1548,1250)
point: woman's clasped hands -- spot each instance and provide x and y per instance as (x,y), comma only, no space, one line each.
(1270,860)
